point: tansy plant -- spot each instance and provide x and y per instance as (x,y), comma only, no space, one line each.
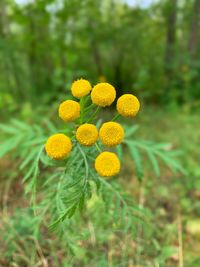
(85,132)
(85,153)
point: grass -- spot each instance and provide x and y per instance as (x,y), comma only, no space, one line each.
(170,238)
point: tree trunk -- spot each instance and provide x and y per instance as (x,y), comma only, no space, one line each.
(194,33)
(171,17)
(97,57)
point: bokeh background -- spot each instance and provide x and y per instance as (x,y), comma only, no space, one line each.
(149,48)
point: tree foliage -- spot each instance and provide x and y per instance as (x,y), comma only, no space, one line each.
(44,45)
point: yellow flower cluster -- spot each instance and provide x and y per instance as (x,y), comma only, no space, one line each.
(58,146)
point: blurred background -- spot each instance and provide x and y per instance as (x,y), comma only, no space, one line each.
(150,48)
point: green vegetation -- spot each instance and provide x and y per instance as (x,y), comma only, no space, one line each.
(46,44)
(170,203)
(149,214)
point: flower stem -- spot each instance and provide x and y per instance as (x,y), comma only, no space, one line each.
(82,104)
(98,148)
(116,117)
(94,115)
(89,107)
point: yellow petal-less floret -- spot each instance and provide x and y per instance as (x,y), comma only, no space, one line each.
(58,146)
(81,88)
(128,105)
(69,110)
(103,94)
(107,164)
(111,133)
(87,134)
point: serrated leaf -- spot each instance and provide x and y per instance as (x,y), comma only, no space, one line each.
(35,141)
(137,160)
(28,159)
(9,145)
(20,124)
(98,183)
(55,175)
(8,129)
(129,131)
(154,163)
(81,202)
(50,126)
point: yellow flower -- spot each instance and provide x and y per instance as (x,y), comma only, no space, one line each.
(128,105)
(69,110)
(87,134)
(58,146)
(111,133)
(107,164)
(103,94)
(81,88)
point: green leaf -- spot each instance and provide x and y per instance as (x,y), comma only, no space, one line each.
(71,211)
(154,163)
(28,159)
(81,202)
(50,126)
(137,160)
(129,131)
(21,125)
(119,150)
(9,145)
(8,129)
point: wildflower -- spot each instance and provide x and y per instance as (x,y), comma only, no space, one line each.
(58,146)
(111,133)
(81,88)
(107,164)
(128,105)
(103,94)
(69,110)
(87,134)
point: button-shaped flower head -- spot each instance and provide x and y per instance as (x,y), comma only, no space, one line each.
(69,110)
(128,105)
(81,88)
(87,134)
(58,146)
(107,164)
(103,94)
(111,133)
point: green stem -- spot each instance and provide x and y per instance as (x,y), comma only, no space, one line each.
(88,108)
(35,175)
(82,106)
(94,115)
(116,117)
(85,161)
(98,148)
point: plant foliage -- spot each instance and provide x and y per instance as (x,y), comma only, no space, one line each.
(72,182)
